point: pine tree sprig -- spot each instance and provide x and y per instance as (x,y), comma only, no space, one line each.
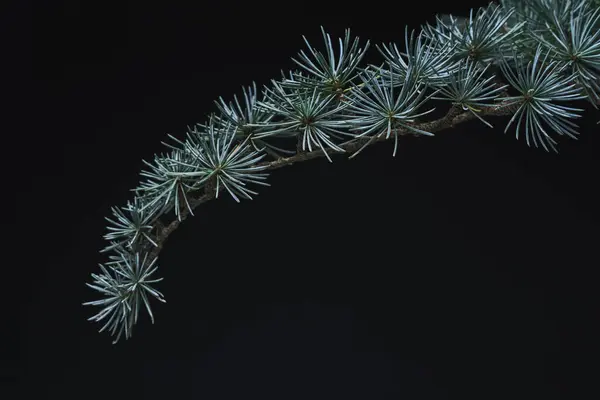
(542,89)
(527,61)
(470,88)
(333,73)
(126,286)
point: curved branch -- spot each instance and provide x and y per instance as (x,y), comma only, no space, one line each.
(454,117)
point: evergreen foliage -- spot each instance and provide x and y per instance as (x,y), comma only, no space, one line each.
(528,60)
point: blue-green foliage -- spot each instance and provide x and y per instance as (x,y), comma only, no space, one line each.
(125,283)
(543,87)
(536,56)
(470,88)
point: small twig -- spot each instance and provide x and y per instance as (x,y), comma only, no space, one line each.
(163,231)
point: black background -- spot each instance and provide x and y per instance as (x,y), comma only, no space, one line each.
(461,268)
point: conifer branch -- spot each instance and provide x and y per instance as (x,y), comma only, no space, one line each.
(453,117)
(546,51)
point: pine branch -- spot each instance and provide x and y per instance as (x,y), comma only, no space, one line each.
(454,117)
(547,51)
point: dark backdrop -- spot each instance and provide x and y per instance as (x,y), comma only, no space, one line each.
(461,268)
